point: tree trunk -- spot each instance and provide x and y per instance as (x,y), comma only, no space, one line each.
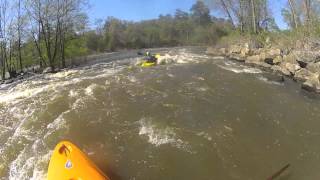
(19,35)
(241,20)
(307,4)
(253,11)
(228,12)
(293,14)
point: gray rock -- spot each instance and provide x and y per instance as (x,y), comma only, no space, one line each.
(306,57)
(263,66)
(223,51)
(314,67)
(279,69)
(253,59)
(291,67)
(312,84)
(277,60)
(245,51)
(235,49)
(273,61)
(303,75)
(274,77)
(290,58)
(47,70)
(273,52)
(236,57)
(9,81)
(212,51)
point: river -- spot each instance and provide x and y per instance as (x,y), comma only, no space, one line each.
(199,117)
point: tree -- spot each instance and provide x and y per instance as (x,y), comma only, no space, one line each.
(201,13)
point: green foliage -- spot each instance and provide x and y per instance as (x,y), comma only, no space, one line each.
(76,47)
(200,13)
(195,28)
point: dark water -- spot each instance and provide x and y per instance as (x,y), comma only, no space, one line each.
(198,117)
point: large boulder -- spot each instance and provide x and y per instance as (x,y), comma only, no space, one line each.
(257,61)
(306,57)
(245,50)
(236,57)
(290,58)
(281,70)
(303,75)
(213,51)
(235,49)
(291,67)
(223,51)
(312,84)
(314,67)
(273,52)
(253,59)
(277,60)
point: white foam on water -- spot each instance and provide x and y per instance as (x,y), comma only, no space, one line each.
(160,136)
(51,82)
(73,93)
(182,57)
(89,90)
(132,79)
(62,74)
(202,89)
(268,81)
(10,97)
(29,164)
(205,135)
(58,124)
(155,136)
(241,69)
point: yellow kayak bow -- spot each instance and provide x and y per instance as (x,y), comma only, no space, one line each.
(68,162)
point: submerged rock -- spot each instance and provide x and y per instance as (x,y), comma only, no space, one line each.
(274,77)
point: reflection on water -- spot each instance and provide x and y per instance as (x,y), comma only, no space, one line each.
(195,118)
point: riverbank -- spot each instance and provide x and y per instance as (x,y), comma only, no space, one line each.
(79,62)
(302,65)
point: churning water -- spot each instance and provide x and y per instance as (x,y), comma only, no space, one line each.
(198,117)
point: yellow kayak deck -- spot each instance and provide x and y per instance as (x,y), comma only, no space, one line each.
(68,162)
(149,64)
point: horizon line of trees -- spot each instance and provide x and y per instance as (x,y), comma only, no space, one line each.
(48,33)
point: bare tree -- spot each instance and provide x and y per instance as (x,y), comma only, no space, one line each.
(293,13)
(253,14)
(19,29)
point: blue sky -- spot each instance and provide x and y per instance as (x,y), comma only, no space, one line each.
(136,10)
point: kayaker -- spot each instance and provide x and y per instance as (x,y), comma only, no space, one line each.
(150,58)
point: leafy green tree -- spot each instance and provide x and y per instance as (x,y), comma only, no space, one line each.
(201,13)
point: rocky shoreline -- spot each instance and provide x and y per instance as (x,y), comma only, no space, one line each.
(301,65)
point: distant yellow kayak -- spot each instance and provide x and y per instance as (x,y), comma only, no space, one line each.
(148,64)
(68,162)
